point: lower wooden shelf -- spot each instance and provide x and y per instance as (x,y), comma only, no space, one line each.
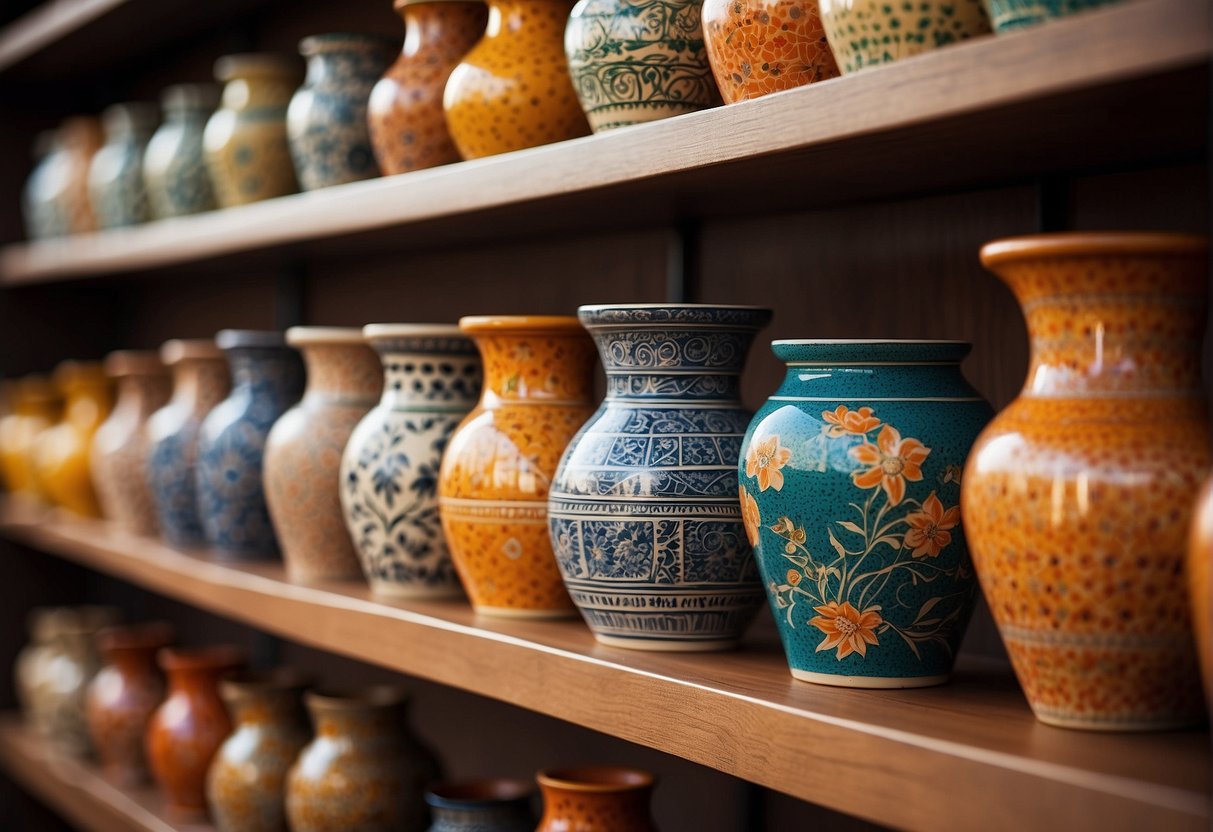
(968,755)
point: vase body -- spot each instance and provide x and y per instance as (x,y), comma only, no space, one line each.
(596,799)
(363,770)
(1012,15)
(865,33)
(30,664)
(39,211)
(115,177)
(244,141)
(61,453)
(303,452)
(1200,586)
(634,61)
(407,125)
(481,806)
(389,470)
(36,406)
(512,90)
(499,464)
(80,138)
(267,378)
(174,166)
(757,47)
(1078,497)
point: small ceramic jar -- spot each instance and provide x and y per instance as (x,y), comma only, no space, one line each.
(80,138)
(596,799)
(61,453)
(174,167)
(115,177)
(1012,15)
(481,806)
(39,210)
(865,33)
(36,406)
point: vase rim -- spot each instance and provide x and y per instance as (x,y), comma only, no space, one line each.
(227,339)
(375,331)
(240,682)
(72,374)
(231,67)
(553,324)
(793,352)
(400,5)
(596,778)
(736,316)
(375,696)
(190,96)
(332,41)
(121,363)
(843,342)
(148,635)
(188,349)
(1087,243)
(462,794)
(211,657)
(307,336)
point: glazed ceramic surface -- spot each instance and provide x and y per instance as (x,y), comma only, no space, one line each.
(30,664)
(303,452)
(481,806)
(498,466)
(643,512)
(79,139)
(389,470)
(267,379)
(1200,585)
(245,142)
(174,166)
(1010,15)
(865,33)
(596,799)
(513,91)
(61,453)
(1078,497)
(36,406)
(115,177)
(39,211)
(407,125)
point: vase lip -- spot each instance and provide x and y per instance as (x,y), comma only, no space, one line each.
(335,41)
(72,374)
(309,336)
(400,5)
(122,363)
(596,778)
(189,349)
(241,682)
(376,331)
(462,794)
(257,64)
(211,657)
(1087,243)
(179,97)
(869,351)
(358,699)
(228,339)
(724,315)
(148,635)
(546,324)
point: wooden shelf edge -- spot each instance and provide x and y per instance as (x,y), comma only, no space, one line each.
(45,25)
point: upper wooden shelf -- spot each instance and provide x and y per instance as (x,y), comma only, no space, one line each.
(1123,85)
(896,757)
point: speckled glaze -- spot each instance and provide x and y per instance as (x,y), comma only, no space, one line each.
(389,470)
(1200,585)
(865,33)
(61,453)
(80,138)
(1078,497)
(115,177)
(407,125)
(39,212)
(246,783)
(120,451)
(513,91)
(481,806)
(174,165)
(267,379)
(363,770)
(596,799)
(36,405)
(200,382)
(303,452)
(498,466)
(1012,15)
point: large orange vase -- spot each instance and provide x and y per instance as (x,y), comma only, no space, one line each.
(61,453)
(36,406)
(1077,497)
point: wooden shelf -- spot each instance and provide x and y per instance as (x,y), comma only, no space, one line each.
(1122,85)
(897,757)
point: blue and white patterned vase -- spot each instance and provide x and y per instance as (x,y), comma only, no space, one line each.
(389,471)
(38,207)
(850,489)
(174,166)
(481,806)
(326,121)
(643,510)
(267,378)
(115,176)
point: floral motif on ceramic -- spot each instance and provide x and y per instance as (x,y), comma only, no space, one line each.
(245,143)
(115,177)
(39,210)
(36,406)
(267,379)
(389,470)
(865,33)
(1200,585)
(512,91)
(1011,15)
(407,125)
(174,165)
(596,799)
(1078,497)
(499,463)
(61,453)
(481,806)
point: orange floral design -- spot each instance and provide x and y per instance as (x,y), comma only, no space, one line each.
(892,461)
(846,628)
(764,460)
(749,515)
(929,528)
(794,577)
(842,421)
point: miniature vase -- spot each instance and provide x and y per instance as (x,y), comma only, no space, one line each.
(39,210)
(1012,15)
(499,463)
(864,33)
(120,451)
(36,406)
(303,452)
(596,799)
(80,138)
(643,515)
(1200,586)
(407,125)
(174,165)
(850,490)
(115,177)
(267,379)
(244,141)
(1078,497)
(389,471)
(512,90)
(481,806)
(61,453)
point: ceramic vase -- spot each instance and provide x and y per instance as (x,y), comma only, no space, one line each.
(303,452)
(244,141)
(31,662)
(512,90)
(189,726)
(38,209)
(246,784)
(200,382)
(634,61)
(61,453)
(481,806)
(864,33)
(123,696)
(363,770)
(1012,15)
(1078,497)
(407,125)
(36,406)
(80,138)
(267,379)
(596,799)
(115,177)
(120,451)
(757,47)
(174,166)
(499,463)
(1200,585)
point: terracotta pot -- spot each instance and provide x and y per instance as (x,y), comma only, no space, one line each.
(1200,585)
(115,177)
(407,125)
(363,770)
(246,785)
(596,799)
(189,726)
(864,33)
(498,465)
(36,406)
(174,166)
(123,696)
(61,453)
(481,806)
(119,452)
(38,209)
(1077,498)
(80,138)
(303,452)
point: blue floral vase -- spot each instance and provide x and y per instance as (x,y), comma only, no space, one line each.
(174,166)
(643,512)
(267,378)
(850,490)
(115,176)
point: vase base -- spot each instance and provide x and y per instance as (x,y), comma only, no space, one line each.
(403,592)
(657,645)
(522,612)
(1112,726)
(874,682)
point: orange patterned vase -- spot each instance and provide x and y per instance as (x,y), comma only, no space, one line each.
(36,406)
(80,137)
(499,464)
(61,453)
(1200,585)
(1078,496)
(596,799)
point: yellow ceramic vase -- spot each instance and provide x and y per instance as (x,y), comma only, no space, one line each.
(36,406)
(61,453)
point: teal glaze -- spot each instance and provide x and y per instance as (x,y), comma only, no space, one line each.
(864,510)
(1013,15)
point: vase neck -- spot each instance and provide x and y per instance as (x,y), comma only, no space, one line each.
(513,16)
(372,727)
(658,362)
(342,374)
(271,708)
(443,31)
(439,371)
(540,367)
(196,681)
(259,92)
(88,405)
(350,69)
(267,372)
(133,661)
(199,384)
(141,395)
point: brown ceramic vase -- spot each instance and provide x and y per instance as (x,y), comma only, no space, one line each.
(596,799)
(1200,586)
